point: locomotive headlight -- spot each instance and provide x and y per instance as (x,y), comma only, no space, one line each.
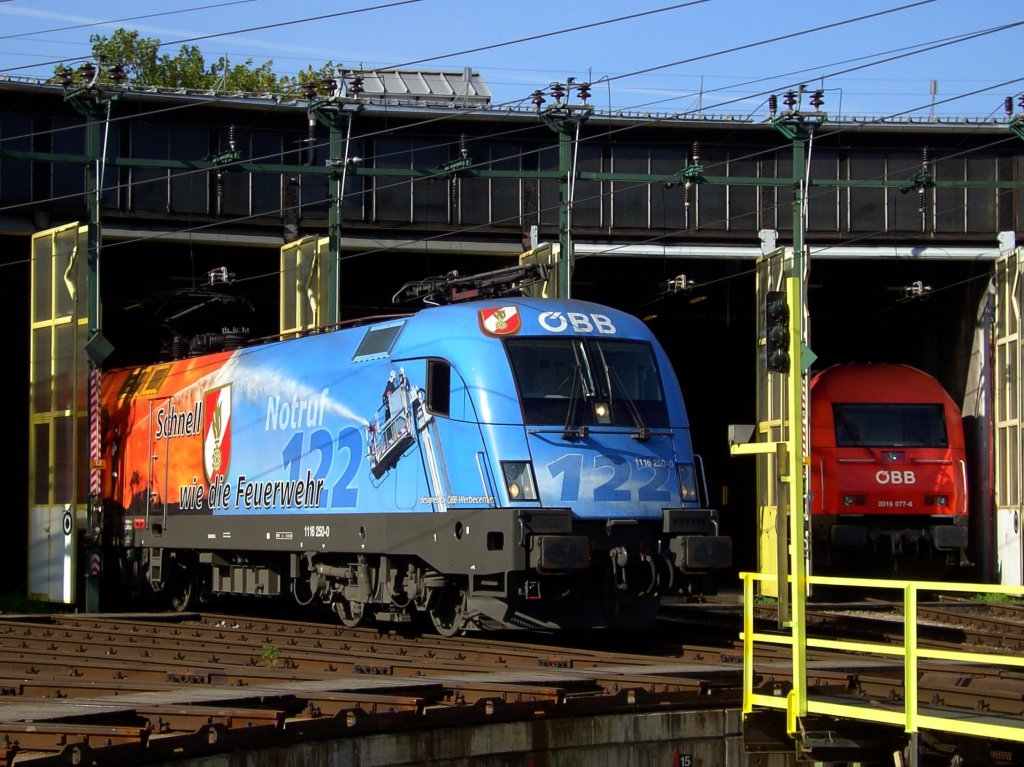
(519,480)
(687,482)
(936,500)
(602,413)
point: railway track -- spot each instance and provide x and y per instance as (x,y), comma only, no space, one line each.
(118,689)
(128,689)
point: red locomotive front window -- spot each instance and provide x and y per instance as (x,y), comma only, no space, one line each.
(871,424)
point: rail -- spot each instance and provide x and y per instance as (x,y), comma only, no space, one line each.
(912,718)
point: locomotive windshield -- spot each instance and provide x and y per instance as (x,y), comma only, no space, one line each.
(557,377)
(866,424)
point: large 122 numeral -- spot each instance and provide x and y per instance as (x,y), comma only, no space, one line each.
(343,495)
(570,467)
(612,489)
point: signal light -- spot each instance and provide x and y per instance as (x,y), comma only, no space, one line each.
(776,313)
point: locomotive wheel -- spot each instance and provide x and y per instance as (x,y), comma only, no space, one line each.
(448,614)
(182,589)
(350,613)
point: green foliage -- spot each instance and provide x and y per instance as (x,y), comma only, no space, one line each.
(246,78)
(996,598)
(144,65)
(270,654)
(135,53)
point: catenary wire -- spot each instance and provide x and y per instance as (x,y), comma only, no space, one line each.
(127,18)
(918,49)
(275,25)
(953,98)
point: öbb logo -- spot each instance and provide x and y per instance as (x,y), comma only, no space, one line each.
(895,477)
(557,322)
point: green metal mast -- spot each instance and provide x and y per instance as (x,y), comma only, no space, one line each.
(337,113)
(95,104)
(565,119)
(799,127)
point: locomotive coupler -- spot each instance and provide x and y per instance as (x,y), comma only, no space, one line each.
(619,558)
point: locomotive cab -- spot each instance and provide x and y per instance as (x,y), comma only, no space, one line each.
(888,467)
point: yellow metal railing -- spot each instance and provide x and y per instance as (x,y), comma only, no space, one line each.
(911,719)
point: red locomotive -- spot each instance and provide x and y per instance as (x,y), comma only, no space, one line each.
(888,467)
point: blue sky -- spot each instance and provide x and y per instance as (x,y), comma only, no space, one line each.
(734,82)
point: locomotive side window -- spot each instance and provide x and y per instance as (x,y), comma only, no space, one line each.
(559,378)
(868,424)
(439,387)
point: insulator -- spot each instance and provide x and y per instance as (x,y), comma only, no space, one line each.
(87,71)
(924,158)
(234,338)
(178,347)
(1008,105)
(66,77)
(356,86)
(309,90)
(773,104)
(463,147)
(696,152)
(117,75)
(232,142)
(1020,101)
(330,85)
(205,343)
(583,91)
(789,99)
(817,99)
(557,91)
(537,97)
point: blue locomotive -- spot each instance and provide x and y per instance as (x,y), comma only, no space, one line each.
(506,463)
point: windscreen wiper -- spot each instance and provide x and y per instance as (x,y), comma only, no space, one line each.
(642,432)
(580,380)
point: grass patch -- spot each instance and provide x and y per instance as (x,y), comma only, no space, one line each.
(996,599)
(270,654)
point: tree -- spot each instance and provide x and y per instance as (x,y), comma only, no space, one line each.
(136,54)
(142,65)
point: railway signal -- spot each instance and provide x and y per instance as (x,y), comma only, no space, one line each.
(776,313)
